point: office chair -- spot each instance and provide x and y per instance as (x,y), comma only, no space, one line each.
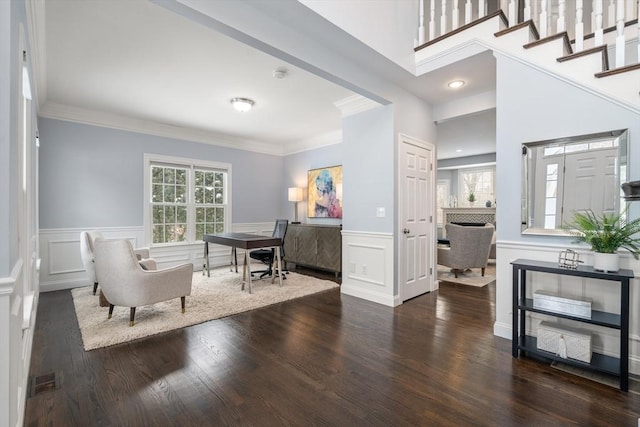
(267,256)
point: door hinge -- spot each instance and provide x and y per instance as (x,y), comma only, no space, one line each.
(431,219)
(431,166)
(430,271)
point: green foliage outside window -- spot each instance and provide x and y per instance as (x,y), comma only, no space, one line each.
(170,203)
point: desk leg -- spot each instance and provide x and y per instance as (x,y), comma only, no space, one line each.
(244,270)
(233,249)
(235,257)
(247,261)
(206,258)
(280,273)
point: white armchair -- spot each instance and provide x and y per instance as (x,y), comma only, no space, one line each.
(87,245)
(125,282)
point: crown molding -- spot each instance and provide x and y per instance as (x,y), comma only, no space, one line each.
(355,104)
(116,121)
(324,140)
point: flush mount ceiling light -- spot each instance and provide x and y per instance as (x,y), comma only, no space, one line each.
(456,84)
(242,104)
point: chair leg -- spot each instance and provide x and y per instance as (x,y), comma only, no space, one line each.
(132,315)
(110,311)
(182,302)
(482,271)
(95,287)
(455,273)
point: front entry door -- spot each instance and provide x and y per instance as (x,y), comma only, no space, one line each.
(417,241)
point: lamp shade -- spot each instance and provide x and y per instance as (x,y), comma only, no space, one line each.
(296,194)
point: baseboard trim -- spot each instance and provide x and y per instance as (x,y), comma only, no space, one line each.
(367,294)
(503,330)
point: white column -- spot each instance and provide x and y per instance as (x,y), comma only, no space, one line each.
(562,10)
(467,12)
(598,34)
(432,19)
(620,36)
(443,18)
(593,15)
(579,36)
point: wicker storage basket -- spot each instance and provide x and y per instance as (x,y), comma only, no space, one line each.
(565,341)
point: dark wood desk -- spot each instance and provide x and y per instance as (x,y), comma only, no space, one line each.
(247,242)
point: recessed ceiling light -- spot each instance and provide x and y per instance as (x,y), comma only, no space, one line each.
(458,151)
(456,84)
(242,104)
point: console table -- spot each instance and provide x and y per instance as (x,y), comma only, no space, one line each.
(523,343)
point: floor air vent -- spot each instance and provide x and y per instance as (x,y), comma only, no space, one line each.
(44,383)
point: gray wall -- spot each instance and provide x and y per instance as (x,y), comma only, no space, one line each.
(547,108)
(369,174)
(93,176)
(294,174)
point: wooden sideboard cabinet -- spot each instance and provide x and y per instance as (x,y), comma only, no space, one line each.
(316,246)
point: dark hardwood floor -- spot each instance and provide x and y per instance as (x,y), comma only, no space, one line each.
(325,359)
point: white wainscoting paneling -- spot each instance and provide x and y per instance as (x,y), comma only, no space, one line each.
(604,294)
(367,267)
(62,266)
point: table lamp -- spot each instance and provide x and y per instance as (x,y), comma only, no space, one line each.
(296,195)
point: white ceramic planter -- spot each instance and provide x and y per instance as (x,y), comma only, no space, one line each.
(606,262)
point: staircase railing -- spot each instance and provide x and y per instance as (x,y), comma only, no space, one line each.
(581,19)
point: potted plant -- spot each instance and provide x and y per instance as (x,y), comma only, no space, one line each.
(471,198)
(606,234)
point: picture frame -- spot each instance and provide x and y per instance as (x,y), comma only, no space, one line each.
(324,192)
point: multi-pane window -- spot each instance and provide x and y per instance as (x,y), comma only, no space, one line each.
(187,199)
(480,182)
(169,200)
(209,202)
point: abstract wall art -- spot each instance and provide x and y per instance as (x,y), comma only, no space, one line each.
(325,192)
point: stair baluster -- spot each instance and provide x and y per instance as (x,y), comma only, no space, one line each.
(579,34)
(620,42)
(598,33)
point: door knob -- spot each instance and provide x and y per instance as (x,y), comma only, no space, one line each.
(406,231)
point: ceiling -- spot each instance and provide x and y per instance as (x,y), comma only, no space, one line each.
(133,63)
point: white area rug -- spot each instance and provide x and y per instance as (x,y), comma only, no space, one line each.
(471,277)
(211,298)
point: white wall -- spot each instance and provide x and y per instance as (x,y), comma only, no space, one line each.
(15,262)
(389,27)
(533,106)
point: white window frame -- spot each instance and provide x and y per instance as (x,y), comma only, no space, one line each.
(447,186)
(191,164)
(462,199)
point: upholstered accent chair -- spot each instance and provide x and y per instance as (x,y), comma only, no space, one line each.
(469,247)
(126,283)
(87,244)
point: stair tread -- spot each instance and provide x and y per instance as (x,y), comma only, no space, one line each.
(602,50)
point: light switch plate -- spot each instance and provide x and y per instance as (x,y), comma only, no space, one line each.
(380,212)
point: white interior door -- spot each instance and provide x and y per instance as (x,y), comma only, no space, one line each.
(585,189)
(417,228)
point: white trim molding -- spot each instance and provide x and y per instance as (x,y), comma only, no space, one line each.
(8,284)
(62,266)
(355,104)
(367,267)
